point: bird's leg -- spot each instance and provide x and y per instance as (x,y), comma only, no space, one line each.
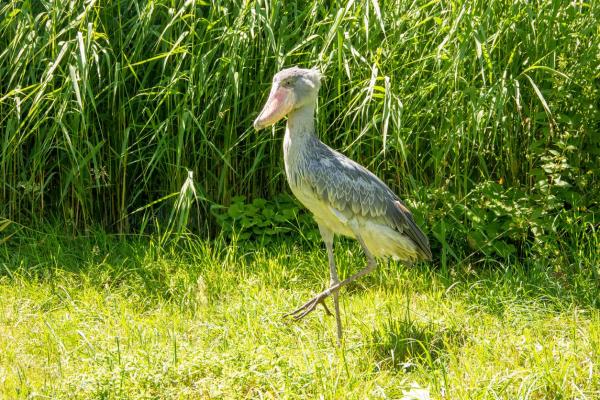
(310,305)
(327,236)
(334,280)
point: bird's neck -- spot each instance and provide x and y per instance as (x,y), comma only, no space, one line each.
(301,122)
(299,134)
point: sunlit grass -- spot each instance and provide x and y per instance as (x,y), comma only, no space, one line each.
(101,318)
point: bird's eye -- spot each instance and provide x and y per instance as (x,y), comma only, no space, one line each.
(286,83)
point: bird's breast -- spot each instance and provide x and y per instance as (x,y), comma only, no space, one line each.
(297,152)
(320,208)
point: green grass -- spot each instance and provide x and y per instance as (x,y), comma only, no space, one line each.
(103,317)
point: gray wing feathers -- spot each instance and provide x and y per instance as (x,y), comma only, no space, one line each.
(351,188)
(346,187)
(403,217)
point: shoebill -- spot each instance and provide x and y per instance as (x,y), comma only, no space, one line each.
(344,197)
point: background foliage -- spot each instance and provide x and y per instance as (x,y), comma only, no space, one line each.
(483,114)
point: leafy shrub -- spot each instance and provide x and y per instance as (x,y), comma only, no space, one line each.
(501,222)
(263,221)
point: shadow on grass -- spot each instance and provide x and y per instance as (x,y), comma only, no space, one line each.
(140,266)
(494,287)
(129,265)
(535,286)
(405,344)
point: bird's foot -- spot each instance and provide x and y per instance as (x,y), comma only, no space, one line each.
(310,306)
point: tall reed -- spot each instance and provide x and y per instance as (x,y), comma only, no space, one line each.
(106,106)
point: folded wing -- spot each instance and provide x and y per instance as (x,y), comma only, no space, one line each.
(355,191)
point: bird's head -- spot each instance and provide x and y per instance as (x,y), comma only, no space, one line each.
(292,88)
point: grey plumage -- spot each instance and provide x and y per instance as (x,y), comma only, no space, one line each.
(355,191)
(344,197)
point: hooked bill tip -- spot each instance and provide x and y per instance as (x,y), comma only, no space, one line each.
(258,125)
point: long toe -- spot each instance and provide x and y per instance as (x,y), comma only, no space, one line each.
(309,307)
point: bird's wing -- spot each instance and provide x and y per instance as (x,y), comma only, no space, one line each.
(352,189)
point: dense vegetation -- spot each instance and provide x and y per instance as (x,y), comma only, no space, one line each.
(126,124)
(484,114)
